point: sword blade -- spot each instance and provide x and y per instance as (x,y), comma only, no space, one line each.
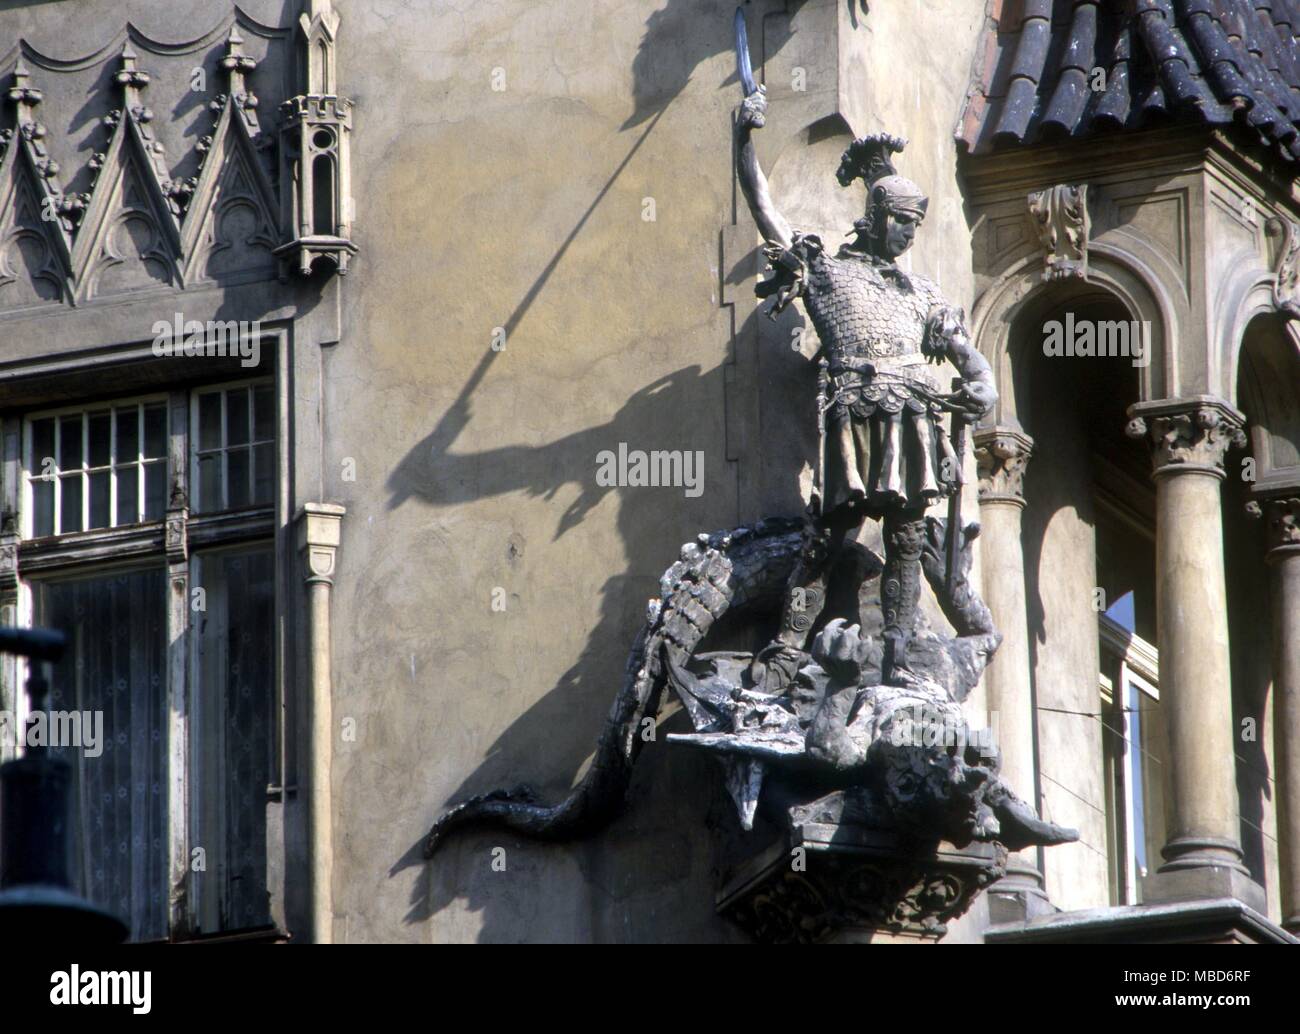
(743,68)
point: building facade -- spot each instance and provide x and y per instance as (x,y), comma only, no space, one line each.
(323,325)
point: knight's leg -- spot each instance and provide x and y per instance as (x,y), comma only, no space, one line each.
(900,589)
(805,597)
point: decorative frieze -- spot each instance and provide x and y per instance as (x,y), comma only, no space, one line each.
(1061,216)
(1001,455)
(1188,435)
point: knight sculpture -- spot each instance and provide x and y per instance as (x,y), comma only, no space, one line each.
(832,724)
(881,331)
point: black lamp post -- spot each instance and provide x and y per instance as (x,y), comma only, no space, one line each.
(37,900)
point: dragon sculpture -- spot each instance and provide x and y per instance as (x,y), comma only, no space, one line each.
(835,724)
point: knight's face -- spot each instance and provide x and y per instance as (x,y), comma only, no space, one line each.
(899,230)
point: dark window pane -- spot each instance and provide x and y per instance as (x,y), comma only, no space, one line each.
(238,488)
(155,431)
(264,474)
(209,482)
(235,674)
(42,508)
(128,434)
(155,488)
(264,412)
(128,495)
(70,504)
(100,431)
(42,446)
(70,442)
(99,501)
(237,416)
(210,420)
(114,665)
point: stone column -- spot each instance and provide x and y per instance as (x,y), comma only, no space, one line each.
(1189,438)
(319,527)
(1002,454)
(1283,516)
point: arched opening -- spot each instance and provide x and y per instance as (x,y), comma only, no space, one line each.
(1268,394)
(322,194)
(1088,535)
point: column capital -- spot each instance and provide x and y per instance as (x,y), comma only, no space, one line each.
(1188,435)
(319,534)
(1281,515)
(1001,455)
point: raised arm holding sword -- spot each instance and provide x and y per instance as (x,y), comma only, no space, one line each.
(882,330)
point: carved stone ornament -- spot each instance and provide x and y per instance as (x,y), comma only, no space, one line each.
(1001,456)
(319,535)
(855,879)
(1188,434)
(8,563)
(1282,520)
(314,157)
(1286,267)
(1061,216)
(256,201)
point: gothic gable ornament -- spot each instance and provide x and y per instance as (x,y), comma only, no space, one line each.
(232,211)
(132,219)
(31,242)
(241,202)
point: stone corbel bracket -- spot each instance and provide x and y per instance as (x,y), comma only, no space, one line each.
(1286,265)
(176,527)
(857,883)
(1060,215)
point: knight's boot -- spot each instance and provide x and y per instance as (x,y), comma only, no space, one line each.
(900,592)
(775,666)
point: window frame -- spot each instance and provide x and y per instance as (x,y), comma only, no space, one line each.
(26,502)
(1129,662)
(222,387)
(65,556)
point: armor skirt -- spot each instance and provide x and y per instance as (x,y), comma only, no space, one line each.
(877,460)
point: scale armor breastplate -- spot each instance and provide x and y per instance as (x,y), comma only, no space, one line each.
(860,313)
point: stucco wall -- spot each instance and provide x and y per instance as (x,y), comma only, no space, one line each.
(523,209)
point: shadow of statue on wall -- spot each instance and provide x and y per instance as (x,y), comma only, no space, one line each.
(652,524)
(647,852)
